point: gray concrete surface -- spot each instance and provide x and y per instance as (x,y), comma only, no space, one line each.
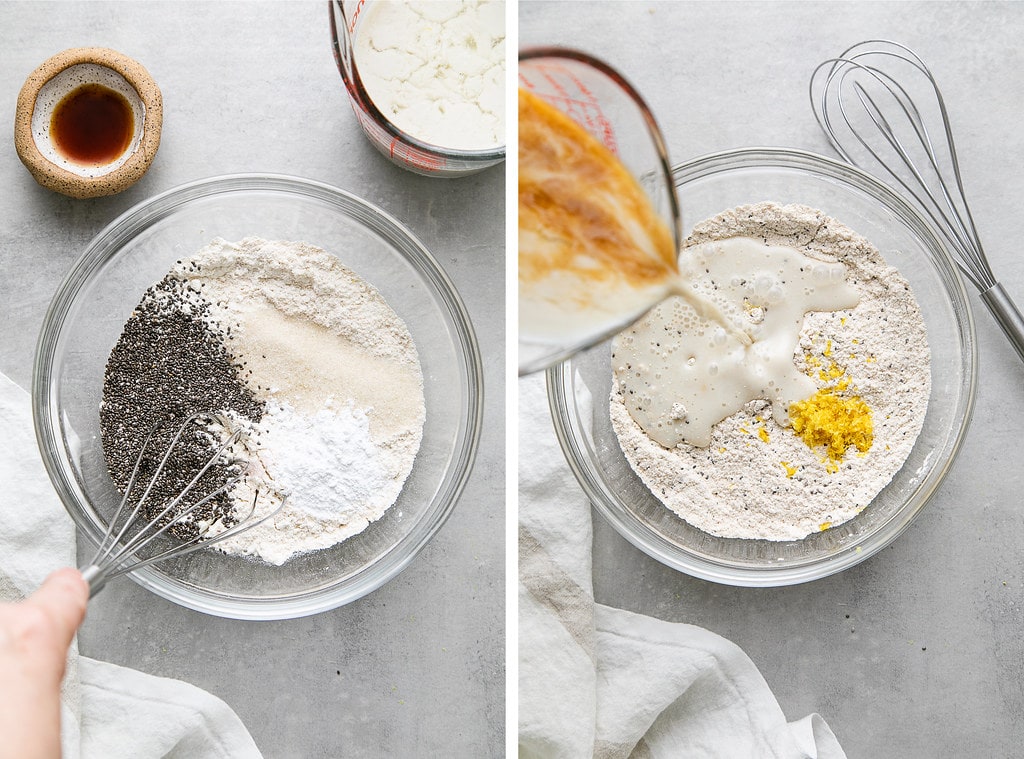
(253,87)
(917,652)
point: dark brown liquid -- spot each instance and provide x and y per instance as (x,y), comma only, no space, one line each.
(92,124)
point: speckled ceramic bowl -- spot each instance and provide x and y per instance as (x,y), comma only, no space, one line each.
(55,79)
(707,186)
(134,251)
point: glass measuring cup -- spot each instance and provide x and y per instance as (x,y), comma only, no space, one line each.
(600,100)
(397,146)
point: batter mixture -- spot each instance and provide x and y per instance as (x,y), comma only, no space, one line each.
(814,419)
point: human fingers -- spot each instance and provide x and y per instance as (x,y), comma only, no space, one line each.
(34,639)
(63,596)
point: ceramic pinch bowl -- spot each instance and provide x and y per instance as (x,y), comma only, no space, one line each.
(99,145)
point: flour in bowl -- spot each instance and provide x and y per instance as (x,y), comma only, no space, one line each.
(300,353)
(863,369)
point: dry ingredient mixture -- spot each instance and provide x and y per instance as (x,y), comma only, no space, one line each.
(436,69)
(282,341)
(868,367)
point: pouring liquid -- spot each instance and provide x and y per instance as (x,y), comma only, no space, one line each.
(723,320)
(593,253)
(680,375)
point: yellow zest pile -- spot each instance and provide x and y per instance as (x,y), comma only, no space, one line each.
(834,422)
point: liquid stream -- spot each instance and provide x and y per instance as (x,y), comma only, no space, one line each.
(594,256)
(593,253)
(680,374)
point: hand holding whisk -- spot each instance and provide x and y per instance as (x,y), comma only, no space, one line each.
(142,515)
(875,102)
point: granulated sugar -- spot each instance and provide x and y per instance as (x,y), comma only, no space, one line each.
(757,479)
(337,408)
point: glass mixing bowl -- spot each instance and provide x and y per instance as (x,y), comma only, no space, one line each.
(136,250)
(710,185)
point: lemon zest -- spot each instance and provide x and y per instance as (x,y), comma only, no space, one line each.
(826,419)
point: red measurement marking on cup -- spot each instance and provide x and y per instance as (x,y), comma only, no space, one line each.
(582,107)
(415,157)
(394,148)
(355,16)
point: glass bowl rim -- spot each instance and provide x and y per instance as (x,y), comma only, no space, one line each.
(656,546)
(109,241)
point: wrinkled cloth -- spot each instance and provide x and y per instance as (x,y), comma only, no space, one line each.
(604,682)
(107,711)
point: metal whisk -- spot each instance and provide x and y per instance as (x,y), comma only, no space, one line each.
(133,528)
(875,102)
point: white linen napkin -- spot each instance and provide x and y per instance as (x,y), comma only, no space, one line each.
(604,682)
(107,711)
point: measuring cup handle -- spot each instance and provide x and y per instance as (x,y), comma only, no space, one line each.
(1007,316)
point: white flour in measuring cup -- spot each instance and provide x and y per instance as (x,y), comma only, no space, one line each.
(436,70)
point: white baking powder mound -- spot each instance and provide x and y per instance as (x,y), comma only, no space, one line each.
(758,479)
(341,381)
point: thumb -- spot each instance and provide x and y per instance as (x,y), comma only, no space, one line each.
(63,596)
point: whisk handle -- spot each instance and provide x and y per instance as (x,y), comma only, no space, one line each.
(94,577)
(1006,315)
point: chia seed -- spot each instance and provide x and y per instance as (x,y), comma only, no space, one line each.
(168,364)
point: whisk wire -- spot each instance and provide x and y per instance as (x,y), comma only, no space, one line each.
(201,541)
(125,536)
(110,540)
(940,214)
(142,538)
(868,92)
(947,215)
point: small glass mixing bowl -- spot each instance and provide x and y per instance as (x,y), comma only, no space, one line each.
(706,187)
(89,309)
(399,147)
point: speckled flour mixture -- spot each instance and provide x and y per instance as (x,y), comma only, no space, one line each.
(758,478)
(310,361)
